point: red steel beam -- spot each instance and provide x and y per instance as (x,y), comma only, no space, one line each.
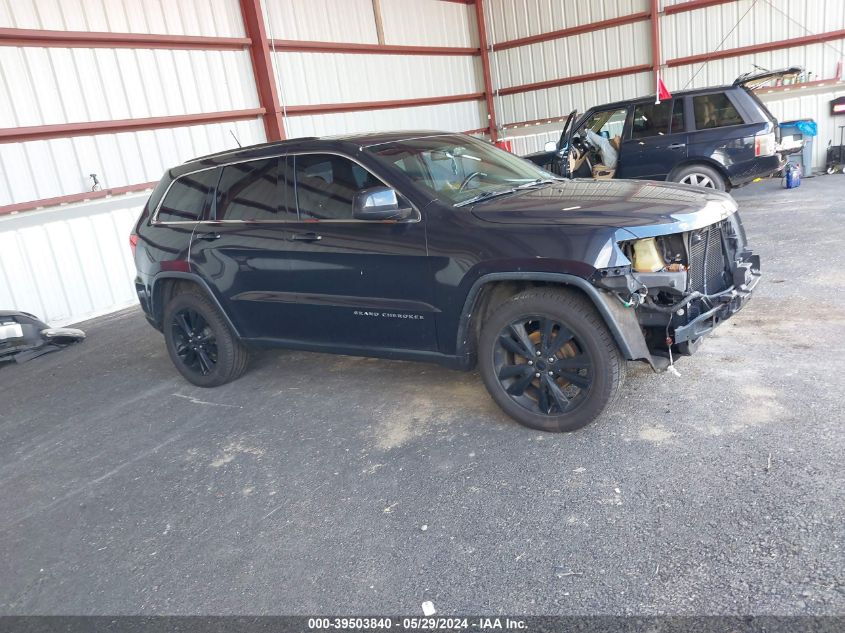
(262,68)
(757,48)
(655,39)
(64,130)
(575,79)
(692,5)
(301,46)
(93,39)
(359,106)
(574,30)
(74,197)
(481,24)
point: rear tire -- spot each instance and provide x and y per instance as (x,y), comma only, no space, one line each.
(699,175)
(200,343)
(548,360)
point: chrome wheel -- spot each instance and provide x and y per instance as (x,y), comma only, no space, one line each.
(698,180)
(541,365)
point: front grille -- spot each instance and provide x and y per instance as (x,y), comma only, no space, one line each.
(707,260)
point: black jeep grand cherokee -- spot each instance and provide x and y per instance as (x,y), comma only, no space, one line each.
(437,247)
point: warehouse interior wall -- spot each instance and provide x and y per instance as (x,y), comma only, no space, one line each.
(98,98)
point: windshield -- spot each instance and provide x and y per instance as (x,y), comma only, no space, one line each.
(459,168)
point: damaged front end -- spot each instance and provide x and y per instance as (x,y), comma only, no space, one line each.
(682,285)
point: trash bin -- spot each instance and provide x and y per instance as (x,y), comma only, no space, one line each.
(800,130)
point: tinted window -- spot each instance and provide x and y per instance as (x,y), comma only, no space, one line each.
(326,185)
(714,110)
(678,124)
(251,191)
(651,119)
(188,197)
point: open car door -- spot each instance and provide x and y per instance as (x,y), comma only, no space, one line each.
(754,80)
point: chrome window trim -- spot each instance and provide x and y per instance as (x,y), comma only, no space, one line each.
(155,221)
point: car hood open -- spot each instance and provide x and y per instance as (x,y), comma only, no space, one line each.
(643,208)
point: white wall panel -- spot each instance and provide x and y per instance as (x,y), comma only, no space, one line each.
(313,78)
(69,85)
(70,263)
(429,23)
(512,19)
(321,20)
(44,169)
(821,59)
(701,30)
(212,18)
(605,49)
(556,102)
(452,117)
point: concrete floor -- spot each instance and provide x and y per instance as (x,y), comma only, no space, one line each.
(322,484)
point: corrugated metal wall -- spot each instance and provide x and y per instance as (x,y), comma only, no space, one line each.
(683,34)
(307,78)
(70,263)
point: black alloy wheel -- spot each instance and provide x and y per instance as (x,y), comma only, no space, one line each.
(195,343)
(541,365)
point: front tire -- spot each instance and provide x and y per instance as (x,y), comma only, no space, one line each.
(700,176)
(548,360)
(200,342)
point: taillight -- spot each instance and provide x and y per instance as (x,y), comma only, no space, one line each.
(133,243)
(764,144)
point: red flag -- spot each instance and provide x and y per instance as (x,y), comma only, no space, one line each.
(663,93)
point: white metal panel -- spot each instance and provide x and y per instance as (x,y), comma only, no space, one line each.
(810,104)
(313,78)
(557,102)
(605,49)
(56,167)
(702,30)
(429,23)
(524,143)
(453,117)
(321,20)
(820,59)
(512,19)
(70,263)
(212,18)
(68,85)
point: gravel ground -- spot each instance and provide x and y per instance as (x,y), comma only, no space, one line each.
(326,484)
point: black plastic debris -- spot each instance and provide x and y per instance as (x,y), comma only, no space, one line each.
(24,337)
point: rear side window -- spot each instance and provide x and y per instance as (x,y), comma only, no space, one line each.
(714,110)
(651,119)
(188,198)
(252,192)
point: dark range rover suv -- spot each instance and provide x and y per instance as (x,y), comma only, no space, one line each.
(437,247)
(717,138)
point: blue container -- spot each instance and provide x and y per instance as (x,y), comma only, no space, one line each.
(804,129)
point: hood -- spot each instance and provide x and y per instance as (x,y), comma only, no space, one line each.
(643,208)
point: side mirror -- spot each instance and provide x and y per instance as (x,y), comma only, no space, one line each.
(550,146)
(378,203)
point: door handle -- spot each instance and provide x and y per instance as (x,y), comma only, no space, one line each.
(207,237)
(677,145)
(306,237)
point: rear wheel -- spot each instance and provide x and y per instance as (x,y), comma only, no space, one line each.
(548,360)
(200,343)
(700,176)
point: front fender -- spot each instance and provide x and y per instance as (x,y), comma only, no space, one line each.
(622,322)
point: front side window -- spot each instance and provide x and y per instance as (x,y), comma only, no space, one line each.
(458,168)
(651,119)
(714,110)
(326,185)
(252,192)
(188,198)
(607,123)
